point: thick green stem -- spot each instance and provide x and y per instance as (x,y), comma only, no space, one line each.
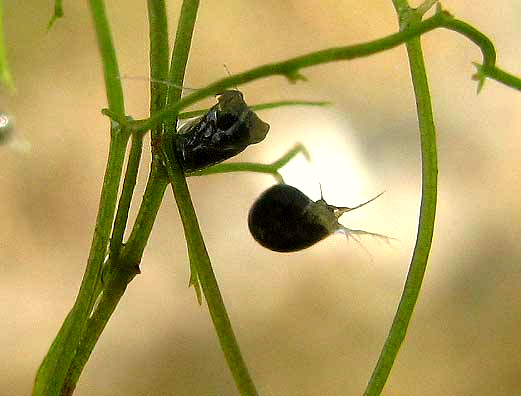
(427,210)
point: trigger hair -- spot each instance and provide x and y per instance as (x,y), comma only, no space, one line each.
(143,78)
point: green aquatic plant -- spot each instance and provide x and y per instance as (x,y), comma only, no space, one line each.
(113,262)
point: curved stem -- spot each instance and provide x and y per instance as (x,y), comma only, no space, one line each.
(427,212)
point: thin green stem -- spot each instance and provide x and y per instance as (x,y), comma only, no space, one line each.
(260,106)
(425,6)
(182,44)
(158,71)
(125,199)
(501,76)
(271,169)
(199,259)
(282,103)
(290,68)
(201,263)
(52,373)
(58,13)
(299,148)
(157,182)
(108,56)
(5,74)
(158,31)
(486,46)
(427,211)
(240,167)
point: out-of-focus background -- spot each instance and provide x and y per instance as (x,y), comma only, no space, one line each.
(312,322)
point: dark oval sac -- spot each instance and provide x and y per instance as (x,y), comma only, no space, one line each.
(223,132)
(284,219)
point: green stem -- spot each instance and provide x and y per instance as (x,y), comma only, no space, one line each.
(158,26)
(157,182)
(158,71)
(427,211)
(240,167)
(272,169)
(125,199)
(58,13)
(5,74)
(182,44)
(109,60)
(114,288)
(259,107)
(52,373)
(201,264)
(499,75)
(199,259)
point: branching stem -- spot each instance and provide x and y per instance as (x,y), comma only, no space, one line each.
(291,68)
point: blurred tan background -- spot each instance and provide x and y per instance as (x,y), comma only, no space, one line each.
(310,323)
